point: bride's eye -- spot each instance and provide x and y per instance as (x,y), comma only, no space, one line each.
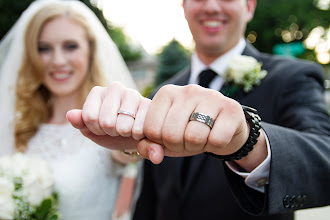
(43,49)
(70,46)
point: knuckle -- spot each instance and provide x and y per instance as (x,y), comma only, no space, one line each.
(106,124)
(96,88)
(172,137)
(89,117)
(94,92)
(114,86)
(215,95)
(136,93)
(194,138)
(153,133)
(190,89)
(233,105)
(132,92)
(217,141)
(166,89)
(124,131)
(137,133)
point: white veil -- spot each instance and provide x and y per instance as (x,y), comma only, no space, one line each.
(11,54)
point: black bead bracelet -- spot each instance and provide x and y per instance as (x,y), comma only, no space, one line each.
(253,119)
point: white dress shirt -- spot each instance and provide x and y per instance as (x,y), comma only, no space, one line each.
(260,175)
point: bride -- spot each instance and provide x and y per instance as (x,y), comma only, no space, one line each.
(49,61)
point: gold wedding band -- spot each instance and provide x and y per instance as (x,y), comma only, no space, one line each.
(205,119)
(126,113)
(133,154)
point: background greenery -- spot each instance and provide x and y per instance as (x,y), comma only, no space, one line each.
(296,17)
(173,58)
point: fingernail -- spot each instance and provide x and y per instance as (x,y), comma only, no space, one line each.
(150,154)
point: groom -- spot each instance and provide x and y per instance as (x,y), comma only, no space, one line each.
(268,172)
(293,143)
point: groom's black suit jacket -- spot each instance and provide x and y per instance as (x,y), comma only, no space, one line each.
(294,116)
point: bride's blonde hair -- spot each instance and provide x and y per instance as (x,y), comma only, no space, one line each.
(33,105)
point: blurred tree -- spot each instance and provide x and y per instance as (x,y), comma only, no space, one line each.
(10,10)
(173,58)
(281,22)
(129,52)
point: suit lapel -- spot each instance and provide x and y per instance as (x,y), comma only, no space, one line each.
(180,79)
(251,51)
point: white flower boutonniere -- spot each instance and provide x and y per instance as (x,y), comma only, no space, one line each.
(244,72)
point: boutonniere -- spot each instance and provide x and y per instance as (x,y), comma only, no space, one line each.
(244,72)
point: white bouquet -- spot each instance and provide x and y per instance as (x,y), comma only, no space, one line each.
(27,189)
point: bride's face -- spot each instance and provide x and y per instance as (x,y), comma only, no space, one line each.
(64,52)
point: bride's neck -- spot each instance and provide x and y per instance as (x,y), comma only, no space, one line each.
(60,106)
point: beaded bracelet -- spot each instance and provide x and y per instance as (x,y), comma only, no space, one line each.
(253,119)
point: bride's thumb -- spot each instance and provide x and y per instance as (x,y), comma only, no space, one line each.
(74,116)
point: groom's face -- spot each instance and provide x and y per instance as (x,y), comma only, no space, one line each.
(217,25)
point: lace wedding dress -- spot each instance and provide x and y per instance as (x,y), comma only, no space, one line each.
(85,176)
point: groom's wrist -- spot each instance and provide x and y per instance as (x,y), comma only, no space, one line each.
(254,120)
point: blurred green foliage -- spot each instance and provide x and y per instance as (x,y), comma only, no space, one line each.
(10,11)
(295,17)
(172,59)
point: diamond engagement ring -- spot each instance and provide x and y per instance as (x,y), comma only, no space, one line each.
(196,116)
(126,113)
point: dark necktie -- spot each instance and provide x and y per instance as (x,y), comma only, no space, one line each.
(205,78)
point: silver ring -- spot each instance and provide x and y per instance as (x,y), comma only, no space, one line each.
(126,113)
(196,116)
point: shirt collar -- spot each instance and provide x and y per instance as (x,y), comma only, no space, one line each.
(219,65)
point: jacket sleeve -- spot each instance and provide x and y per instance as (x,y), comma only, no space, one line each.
(300,144)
